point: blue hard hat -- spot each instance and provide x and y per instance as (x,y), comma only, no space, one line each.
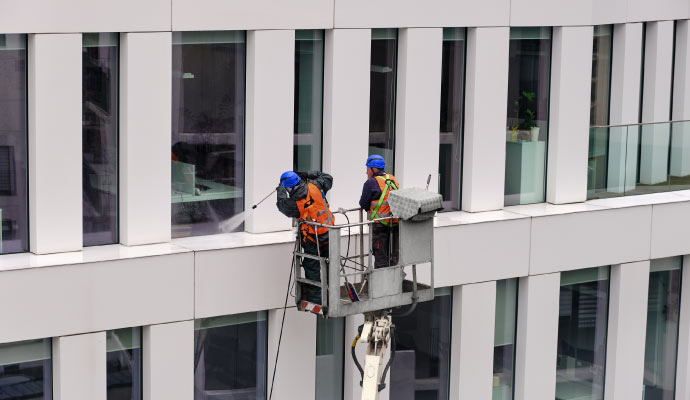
(289,179)
(376,161)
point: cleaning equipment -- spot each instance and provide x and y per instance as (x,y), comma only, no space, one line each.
(229,225)
(262,200)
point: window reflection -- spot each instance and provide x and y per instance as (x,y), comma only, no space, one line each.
(528,115)
(25,370)
(422,360)
(123,364)
(14,234)
(504,339)
(230,357)
(582,325)
(330,347)
(99,137)
(384,59)
(207,130)
(452,98)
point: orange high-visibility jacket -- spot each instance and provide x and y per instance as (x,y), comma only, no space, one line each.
(314,207)
(379,208)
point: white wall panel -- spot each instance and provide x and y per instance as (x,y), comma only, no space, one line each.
(683,368)
(346,113)
(40,16)
(99,296)
(79,367)
(296,373)
(680,146)
(590,239)
(670,230)
(412,13)
(625,346)
(550,12)
(205,15)
(609,11)
(418,113)
(471,370)
(571,76)
(537,336)
(270,123)
(55,170)
(351,376)
(145,123)
(168,361)
(643,10)
(486,94)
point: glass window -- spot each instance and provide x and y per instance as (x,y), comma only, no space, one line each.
(308,99)
(582,325)
(504,339)
(123,364)
(207,130)
(330,348)
(230,356)
(452,97)
(384,60)
(99,137)
(663,311)
(14,233)
(529,77)
(422,360)
(26,370)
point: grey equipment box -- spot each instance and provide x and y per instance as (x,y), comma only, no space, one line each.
(416,208)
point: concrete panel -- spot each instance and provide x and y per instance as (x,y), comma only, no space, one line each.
(627,329)
(412,13)
(54,91)
(79,367)
(537,337)
(263,273)
(550,12)
(205,15)
(481,252)
(485,119)
(145,123)
(40,16)
(670,230)
(683,368)
(168,361)
(296,373)
(609,12)
(642,10)
(92,297)
(471,368)
(571,71)
(417,114)
(351,377)
(346,113)
(269,140)
(589,239)
(626,70)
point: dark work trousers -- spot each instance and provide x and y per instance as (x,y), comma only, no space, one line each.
(312,270)
(385,245)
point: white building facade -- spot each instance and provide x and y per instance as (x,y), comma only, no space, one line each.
(556,131)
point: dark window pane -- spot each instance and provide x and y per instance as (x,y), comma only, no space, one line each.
(452,96)
(422,360)
(308,99)
(207,130)
(99,137)
(123,364)
(601,74)
(230,357)
(14,235)
(330,347)
(528,115)
(504,339)
(384,59)
(26,370)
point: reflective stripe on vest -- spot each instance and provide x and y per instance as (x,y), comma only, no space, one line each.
(314,207)
(379,208)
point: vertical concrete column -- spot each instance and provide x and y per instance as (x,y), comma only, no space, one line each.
(418,113)
(55,187)
(296,376)
(626,78)
(656,101)
(168,358)
(145,124)
(683,368)
(627,330)
(680,147)
(270,122)
(79,367)
(346,112)
(537,337)
(571,77)
(351,376)
(471,368)
(486,94)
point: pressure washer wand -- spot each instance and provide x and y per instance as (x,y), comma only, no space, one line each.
(262,200)
(427,182)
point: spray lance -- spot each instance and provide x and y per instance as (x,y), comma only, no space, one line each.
(267,196)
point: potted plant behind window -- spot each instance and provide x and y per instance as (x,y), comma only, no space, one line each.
(528,124)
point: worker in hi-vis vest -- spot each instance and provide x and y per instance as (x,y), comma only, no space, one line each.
(306,200)
(375,201)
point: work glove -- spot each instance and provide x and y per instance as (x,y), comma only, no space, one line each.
(282,192)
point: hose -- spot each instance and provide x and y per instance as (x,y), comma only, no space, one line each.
(382,385)
(354,355)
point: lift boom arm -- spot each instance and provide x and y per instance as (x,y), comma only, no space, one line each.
(376,333)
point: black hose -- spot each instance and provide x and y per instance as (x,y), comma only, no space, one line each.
(382,385)
(354,355)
